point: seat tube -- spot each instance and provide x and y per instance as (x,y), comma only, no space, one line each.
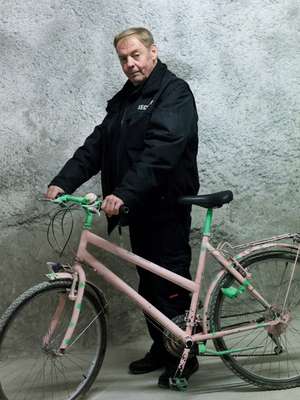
(201,267)
(206,231)
(208,222)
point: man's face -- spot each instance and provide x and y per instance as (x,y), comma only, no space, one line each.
(137,61)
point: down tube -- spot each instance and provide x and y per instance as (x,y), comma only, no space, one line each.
(142,303)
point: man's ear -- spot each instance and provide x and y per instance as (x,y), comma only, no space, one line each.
(154,52)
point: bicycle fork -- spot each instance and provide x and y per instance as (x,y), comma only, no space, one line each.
(78,278)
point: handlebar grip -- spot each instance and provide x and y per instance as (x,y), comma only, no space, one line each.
(123,210)
(91,197)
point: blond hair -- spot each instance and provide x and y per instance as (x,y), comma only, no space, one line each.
(142,34)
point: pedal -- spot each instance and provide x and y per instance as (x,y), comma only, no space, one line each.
(178,384)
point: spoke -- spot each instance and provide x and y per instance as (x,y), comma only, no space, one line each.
(291,278)
(66,383)
(291,358)
(85,329)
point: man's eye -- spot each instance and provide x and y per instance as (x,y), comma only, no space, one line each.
(136,55)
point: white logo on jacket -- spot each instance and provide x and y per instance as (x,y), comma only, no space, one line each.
(143,107)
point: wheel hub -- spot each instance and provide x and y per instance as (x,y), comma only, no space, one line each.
(54,353)
(275,313)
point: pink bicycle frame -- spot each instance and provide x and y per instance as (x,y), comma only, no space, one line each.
(186,336)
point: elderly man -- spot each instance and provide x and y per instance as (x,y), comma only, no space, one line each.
(146,150)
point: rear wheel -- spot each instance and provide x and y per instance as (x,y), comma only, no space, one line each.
(270,356)
(31,369)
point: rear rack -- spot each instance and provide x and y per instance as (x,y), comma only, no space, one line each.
(295,237)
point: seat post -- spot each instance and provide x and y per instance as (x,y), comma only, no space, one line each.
(208,222)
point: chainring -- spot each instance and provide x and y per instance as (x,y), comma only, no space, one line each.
(173,345)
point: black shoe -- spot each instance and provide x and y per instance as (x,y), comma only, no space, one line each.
(147,364)
(165,378)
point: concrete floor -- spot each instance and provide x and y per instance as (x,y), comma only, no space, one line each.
(212,381)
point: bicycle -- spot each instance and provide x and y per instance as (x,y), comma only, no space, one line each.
(250,313)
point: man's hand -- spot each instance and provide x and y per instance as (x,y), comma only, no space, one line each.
(111,205)
(53,192)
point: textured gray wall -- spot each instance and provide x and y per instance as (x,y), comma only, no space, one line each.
(58,68)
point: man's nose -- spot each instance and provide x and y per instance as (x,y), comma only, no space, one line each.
(130,62)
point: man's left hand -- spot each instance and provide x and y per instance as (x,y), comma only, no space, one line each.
(111,205)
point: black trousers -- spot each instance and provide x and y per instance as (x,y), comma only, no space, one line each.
(166,244)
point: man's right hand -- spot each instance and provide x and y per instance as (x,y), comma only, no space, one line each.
(53,191)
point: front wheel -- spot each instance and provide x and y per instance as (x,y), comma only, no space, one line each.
(30,365)
(266,357)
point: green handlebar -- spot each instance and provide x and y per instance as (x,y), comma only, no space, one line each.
(90,203)
(65,198)
(86,202)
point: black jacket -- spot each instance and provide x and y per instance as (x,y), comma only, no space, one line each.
(145,148)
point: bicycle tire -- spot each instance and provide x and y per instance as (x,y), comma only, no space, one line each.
(31,369)
(268,362)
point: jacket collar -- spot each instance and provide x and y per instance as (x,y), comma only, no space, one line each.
(151,85)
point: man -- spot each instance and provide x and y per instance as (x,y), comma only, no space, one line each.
(146,150)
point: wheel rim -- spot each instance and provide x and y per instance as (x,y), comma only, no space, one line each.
(31,369)
(266,355)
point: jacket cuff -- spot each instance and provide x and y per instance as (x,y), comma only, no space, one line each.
(129,200)
(66,188)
